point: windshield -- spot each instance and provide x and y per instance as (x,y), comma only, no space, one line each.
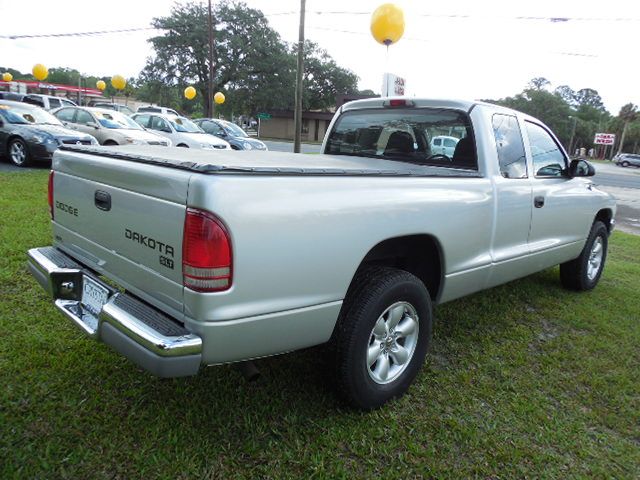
(11,116)
(31,115)
(116,120)
(406,135)
(235,130)
(184,125)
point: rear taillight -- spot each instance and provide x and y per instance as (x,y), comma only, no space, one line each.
(50,194)
(206,253)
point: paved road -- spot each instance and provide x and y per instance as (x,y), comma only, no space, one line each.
(288,146)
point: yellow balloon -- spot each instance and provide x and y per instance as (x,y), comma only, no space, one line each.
(101,85)
(190,93)
(7,77)
(40,72)
(118,82)
(387,24)
(218,98)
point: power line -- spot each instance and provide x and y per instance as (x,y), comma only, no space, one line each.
(77,34)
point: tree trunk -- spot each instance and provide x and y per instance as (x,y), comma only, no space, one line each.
(624,134)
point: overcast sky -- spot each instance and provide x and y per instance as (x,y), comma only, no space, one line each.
(484,52)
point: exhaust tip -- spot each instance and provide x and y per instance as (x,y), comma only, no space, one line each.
(248,370)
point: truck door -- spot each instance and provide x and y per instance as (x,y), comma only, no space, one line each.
(513,202)
(557,218)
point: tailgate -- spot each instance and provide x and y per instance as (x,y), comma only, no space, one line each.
(124,220)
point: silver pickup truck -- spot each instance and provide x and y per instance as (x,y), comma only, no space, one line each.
(181,258)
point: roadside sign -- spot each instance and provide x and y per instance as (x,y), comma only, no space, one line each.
(393,85)
(604,139)
(264,116)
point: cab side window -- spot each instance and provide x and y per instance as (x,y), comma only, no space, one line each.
(143,120)
(212,128)
(84,118)
(158,123)
(548,159)
(66,115)
(511,156)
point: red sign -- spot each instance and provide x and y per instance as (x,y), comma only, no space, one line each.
(56,86)
(604,139)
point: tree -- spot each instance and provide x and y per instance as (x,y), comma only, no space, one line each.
(628,113)
(548,107)
(566,93)
(538,83)
(324,79)
(246,47)
(253,66)
(588,97)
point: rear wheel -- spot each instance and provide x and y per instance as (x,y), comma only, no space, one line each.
(19,153)
(110,143)
(583,273)
(382,337)
(182,145)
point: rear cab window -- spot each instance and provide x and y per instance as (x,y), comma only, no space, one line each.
(511,156)
(405,135)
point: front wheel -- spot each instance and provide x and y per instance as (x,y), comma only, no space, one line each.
(382,336)
(625,164)
(19,153)
(583,273)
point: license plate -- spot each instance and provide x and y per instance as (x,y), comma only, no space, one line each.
(94,296)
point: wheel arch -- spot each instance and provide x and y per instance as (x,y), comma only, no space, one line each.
(420,254)
(13,137)
(605,216)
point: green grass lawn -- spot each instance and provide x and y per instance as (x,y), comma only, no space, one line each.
(523,381)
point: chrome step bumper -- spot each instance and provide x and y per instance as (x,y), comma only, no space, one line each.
(149,338)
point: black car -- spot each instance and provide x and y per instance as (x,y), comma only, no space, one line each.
(237,138)
(29,133)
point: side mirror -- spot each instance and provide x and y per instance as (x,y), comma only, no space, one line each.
(581,168)
(92,124)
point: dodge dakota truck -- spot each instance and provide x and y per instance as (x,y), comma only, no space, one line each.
(180,259)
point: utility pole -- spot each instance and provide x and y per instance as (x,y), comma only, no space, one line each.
(297,114)
(573,134)
(212,39)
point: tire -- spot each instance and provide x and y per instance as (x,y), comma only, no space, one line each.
(370,369)
(584,272)
(110,143)
(18,153)
(182,145)
(625,164)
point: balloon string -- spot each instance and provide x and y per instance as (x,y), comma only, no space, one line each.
(386,70)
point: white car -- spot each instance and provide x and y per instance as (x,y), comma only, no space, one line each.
(180,130)
(108,126)
(444,145)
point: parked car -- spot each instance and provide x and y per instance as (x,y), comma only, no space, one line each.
(444,145)
(180,130)
(627,160)
(154,109)
(48,102)
(108,126)
(29,133)
(229,257)
(118,107)
(232,133)
(16,97)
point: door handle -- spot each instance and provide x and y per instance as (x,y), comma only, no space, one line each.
(538,201)
(102,200)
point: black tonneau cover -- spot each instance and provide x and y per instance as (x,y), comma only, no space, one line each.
(267,163)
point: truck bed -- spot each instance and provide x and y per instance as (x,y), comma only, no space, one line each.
(269,163)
